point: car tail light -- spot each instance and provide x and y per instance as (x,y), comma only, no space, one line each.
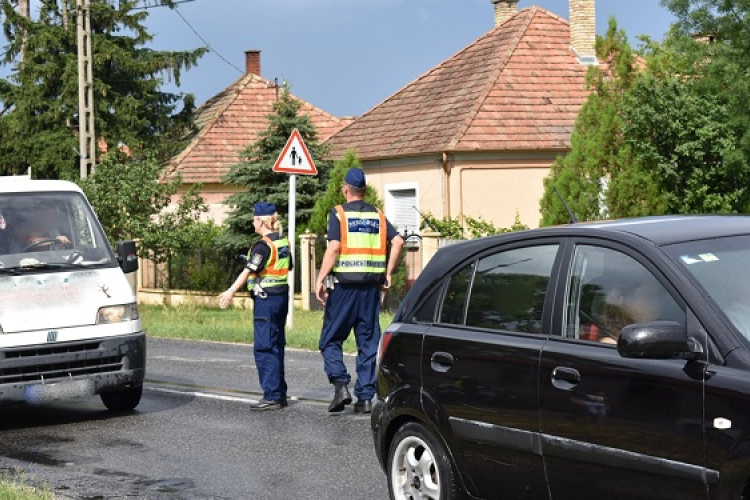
(385,339)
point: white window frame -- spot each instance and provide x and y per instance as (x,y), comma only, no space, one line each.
(390,203)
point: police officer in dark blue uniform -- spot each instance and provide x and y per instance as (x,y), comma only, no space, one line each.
(268,265)
(358,264)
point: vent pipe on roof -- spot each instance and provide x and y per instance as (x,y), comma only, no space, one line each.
(252,62)
(583,30)
(504,10)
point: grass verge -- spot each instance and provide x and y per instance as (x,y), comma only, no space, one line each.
(233,325)
(15,489)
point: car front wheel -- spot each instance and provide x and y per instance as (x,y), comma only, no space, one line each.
(419,467)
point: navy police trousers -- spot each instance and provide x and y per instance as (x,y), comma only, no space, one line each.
(269,320)
(352,306)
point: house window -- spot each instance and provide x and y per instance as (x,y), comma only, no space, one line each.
(401,207)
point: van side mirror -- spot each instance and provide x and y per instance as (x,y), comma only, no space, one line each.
(127,256)
(656,340)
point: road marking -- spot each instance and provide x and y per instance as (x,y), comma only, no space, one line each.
(194,360)
(205,395)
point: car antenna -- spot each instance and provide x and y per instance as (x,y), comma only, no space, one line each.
(425,219)
(573,218)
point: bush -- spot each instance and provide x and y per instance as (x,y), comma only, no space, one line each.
(205,270)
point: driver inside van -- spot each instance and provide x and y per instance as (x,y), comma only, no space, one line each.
(40,232)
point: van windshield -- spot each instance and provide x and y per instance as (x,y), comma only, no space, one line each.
(50,230)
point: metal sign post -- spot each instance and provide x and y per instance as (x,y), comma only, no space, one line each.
(294,159)
(292,246)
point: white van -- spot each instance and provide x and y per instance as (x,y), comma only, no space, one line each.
(69,323)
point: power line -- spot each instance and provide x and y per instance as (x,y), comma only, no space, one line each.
(171,4)
(150,4)
(205,42)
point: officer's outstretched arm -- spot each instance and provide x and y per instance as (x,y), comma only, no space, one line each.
(226,297)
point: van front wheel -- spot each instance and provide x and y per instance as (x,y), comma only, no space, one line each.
(124,400)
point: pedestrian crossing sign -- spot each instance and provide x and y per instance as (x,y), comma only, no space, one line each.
(295,158)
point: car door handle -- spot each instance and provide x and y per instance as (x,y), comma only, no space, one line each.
(441,361)
(565,378)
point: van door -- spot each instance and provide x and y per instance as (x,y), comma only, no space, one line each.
(612,426)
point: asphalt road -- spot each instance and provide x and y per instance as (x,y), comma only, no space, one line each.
(193,436)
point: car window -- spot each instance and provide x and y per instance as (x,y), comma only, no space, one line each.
(608,290)
(509,289)
(454,304)
(425,312)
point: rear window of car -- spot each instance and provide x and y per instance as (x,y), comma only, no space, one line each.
(502,291)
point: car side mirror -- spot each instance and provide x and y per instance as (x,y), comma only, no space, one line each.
(127,256)
(656,340)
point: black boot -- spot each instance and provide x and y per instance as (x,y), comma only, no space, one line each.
(363,406)
(341,398)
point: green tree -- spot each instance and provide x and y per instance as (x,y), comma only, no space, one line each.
(597,143)
(255,173)
(39,101)
(333,194)
(713,41)
(650,141)
(131,199)
(679,138)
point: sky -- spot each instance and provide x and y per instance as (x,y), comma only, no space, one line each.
(347,56)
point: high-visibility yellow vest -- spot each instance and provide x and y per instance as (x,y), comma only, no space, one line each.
(362,257)
(276,270)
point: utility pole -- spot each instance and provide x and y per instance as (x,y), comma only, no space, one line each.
(86,134)
(25,11)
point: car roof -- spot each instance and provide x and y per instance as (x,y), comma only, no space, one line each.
(657,230)
(669,229)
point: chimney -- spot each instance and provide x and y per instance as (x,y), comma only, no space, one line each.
(252,62)
(504,10)
(583,30)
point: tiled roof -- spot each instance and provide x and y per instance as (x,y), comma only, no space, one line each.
(518,87)
(230,121)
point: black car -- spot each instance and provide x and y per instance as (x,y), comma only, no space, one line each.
(595,360)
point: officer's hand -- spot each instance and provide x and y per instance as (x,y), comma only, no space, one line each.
(321,293)
(386,284)
(225,298)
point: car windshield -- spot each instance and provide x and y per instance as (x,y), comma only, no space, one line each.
(721,267)
(50,231)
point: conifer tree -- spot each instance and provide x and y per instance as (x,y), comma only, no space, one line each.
(39,101)
(334,195)
(598,147)
(255,174)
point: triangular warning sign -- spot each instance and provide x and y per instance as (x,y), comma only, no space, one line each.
(295,158)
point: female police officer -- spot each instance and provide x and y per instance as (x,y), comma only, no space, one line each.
(268,265)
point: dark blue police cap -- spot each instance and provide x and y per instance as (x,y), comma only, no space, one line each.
(355,177)
(262,209)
